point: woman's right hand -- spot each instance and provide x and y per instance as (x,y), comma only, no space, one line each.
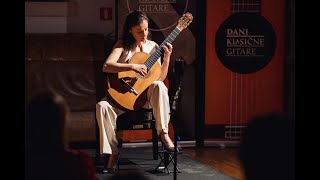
(140,68)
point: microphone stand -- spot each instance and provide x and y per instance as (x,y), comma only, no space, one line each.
(179,67)
(176,97)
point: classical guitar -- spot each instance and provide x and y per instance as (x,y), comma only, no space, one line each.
(128,89)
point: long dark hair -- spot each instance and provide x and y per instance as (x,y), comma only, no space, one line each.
(134,18)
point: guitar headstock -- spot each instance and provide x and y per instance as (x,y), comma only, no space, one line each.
(185,20)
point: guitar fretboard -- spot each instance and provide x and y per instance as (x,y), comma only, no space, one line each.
(155,56)
(253,6)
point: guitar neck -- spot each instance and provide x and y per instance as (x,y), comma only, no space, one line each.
(156,55)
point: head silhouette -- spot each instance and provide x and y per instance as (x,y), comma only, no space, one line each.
(267,148)
(45,120)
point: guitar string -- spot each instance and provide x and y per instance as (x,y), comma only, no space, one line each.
(155,56)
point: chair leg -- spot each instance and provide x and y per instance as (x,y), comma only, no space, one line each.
(97,155)
(155,144)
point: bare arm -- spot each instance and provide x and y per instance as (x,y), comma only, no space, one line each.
(111,64)
(166,60)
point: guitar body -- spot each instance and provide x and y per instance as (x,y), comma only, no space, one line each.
(121,94)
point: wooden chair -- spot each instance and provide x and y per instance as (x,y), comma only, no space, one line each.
(134,120)
(139,120)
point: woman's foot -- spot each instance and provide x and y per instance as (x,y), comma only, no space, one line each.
(165,138)
(168,144)
(111,163)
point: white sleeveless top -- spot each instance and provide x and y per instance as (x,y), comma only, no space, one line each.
(148,47)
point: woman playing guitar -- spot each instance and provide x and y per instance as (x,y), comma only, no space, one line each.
(129,57)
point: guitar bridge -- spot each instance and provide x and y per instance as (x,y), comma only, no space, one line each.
(129,87)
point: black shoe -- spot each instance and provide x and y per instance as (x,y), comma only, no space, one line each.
(110,167)
(170,149)
(108,170)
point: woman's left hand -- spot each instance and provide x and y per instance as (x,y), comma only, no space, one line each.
(167,51)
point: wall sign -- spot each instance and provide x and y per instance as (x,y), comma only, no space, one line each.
(160,10)
(105,13)
(245,42)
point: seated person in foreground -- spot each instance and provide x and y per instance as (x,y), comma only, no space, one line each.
(47,155)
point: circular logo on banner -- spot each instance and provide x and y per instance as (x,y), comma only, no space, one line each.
(245,42)
(160,11)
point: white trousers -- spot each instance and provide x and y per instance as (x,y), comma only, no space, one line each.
(107,113)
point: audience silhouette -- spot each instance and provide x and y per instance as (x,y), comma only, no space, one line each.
(46,153)
(267,148)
